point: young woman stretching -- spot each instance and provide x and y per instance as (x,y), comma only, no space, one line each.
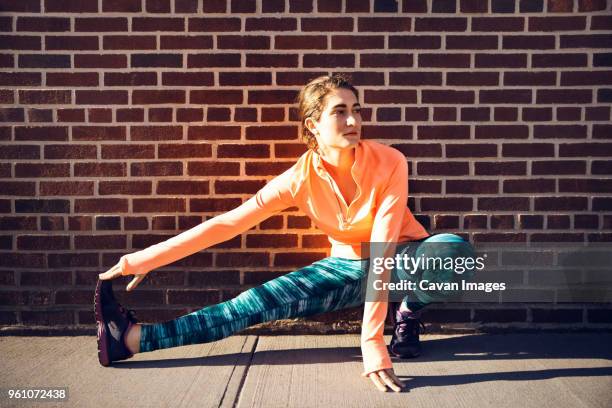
(353,190)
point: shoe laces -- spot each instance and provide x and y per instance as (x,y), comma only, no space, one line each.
(410,325)
(131,314)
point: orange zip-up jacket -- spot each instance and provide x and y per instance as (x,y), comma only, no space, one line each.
(378,213)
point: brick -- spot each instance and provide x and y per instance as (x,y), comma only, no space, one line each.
(500,168)
(244,78)
(72,79)
(380,60)
(384,24)
(22,152)
(71,6)
(158,6)
(19,79)
(225,97)
(11,115)
(220,24)
(188,78)
(44,61)
(125,187)
(498,24)
(500,315)
(66,188)
(587,221)
(291,60)
(446,204)
(503,204)
(43,24)
(531,221)
(213,60)
(72,151)
(157,60)
(471,150)
(47,318)
(500,61)
(32,170)
(300,42)
(421,150)
(129,42)
(31,6)
(78,43)
(21,42)
(585,185)
(528,150)
(246,42)
(101,205)
(130,78)
(182,42)
(163,96)
(131,151)
(446,221)
(405,42)
(213,133)
(472,186)
(600,167)
(186,6)
(443,132)
(101,97)
(184,150)
(268,24)
(41,133)
(585,41)
(243,151)
(297,259)
(189,115)
(157,169)
(555,167)
(130,115)
(100,61)
(40,115)
(442,168)
(344,42)
(556,315)
(218,114)
(560,203)
(559,60)
(99,133)
(469,42)
(271,132)
(42,206)
(100,24)
(18,188)
(213,169)
(529,186)
(46,97)
(100,115)
(129,6)
(444,61)
(92,169)
(584,149)
(139,133)
(557,221)
(179,187)
(157,24)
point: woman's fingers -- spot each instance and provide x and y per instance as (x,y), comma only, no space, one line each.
(137,279)
(112,273)
(377,382)
(395,378)
(391,382)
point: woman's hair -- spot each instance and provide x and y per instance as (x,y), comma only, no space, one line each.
(311,101)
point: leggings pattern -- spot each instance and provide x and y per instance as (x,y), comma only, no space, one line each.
(327,285)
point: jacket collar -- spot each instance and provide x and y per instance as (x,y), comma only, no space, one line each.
(356,169)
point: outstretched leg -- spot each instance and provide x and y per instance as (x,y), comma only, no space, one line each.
(326,285)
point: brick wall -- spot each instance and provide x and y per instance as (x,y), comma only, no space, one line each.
(125,122)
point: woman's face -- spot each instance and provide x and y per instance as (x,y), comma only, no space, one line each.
(340,123)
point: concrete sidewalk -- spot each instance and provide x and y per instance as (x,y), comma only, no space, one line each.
(476,370)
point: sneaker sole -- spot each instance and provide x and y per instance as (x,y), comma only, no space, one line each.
(102,339)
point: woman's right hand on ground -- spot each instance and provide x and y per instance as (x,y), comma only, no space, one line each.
(115,272)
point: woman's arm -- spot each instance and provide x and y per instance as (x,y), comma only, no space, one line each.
(385,233)
(275,196)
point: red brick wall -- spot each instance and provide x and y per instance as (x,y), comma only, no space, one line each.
(126,122)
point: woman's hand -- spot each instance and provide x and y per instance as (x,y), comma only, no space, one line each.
(386,378)
(115,272)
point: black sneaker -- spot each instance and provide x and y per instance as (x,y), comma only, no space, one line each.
(405,341)
(113,322)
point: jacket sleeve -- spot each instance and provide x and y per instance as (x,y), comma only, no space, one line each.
(385,232)
(274,197)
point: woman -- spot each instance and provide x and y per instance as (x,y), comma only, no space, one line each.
(355,191)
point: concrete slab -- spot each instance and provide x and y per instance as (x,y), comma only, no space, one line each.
(512,370)
(202,375)
(503,370)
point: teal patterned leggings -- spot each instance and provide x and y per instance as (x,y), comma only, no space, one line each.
(329,284)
